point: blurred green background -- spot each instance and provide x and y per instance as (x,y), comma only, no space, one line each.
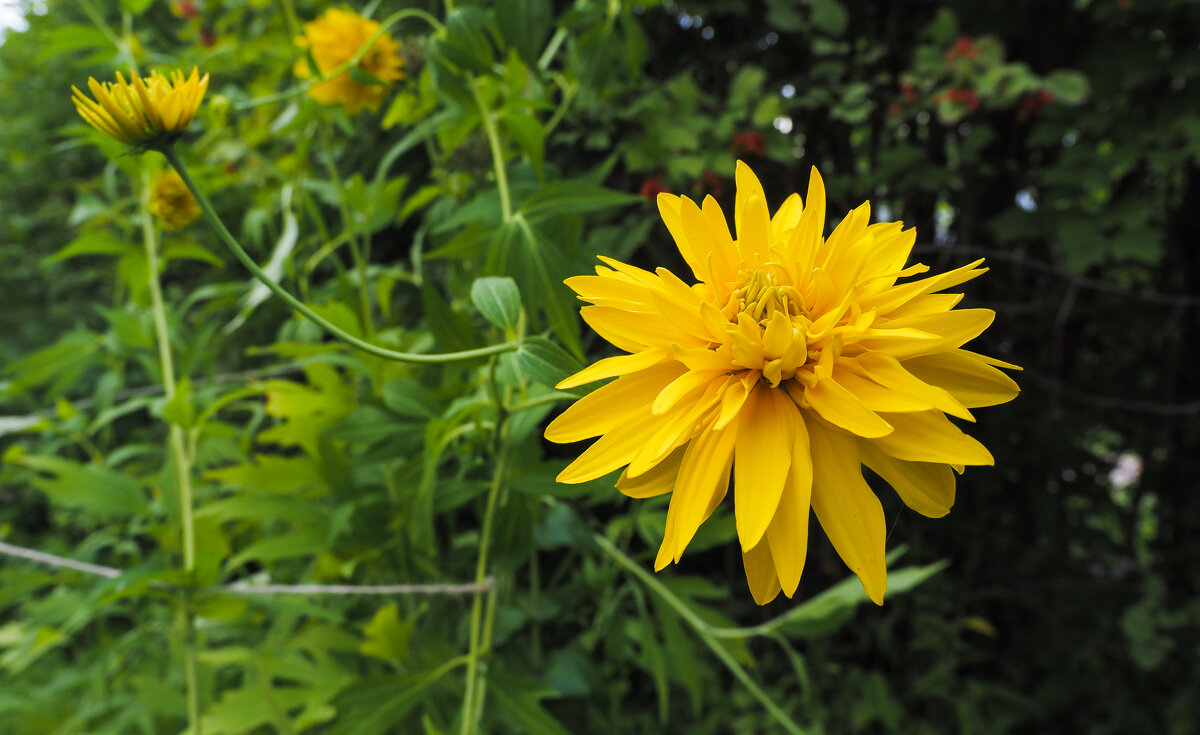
(1060,140)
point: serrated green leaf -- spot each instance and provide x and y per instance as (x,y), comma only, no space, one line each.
(521,700)
(387,636)
(85,486)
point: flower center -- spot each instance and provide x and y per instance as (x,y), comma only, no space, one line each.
(761,296)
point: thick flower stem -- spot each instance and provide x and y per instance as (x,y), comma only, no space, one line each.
(703,630)
(179,455)
(245,259)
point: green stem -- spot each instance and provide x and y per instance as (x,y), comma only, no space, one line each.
(356,253)
(473,696)
(178,450)
(702,630)
(493,136)
(245,259)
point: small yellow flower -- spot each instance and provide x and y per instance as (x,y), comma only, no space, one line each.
(171,201)
(146,113)
(333,40)
(792,362)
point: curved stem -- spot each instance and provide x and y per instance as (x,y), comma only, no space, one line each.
(179,454)
(493,136)
(245,259)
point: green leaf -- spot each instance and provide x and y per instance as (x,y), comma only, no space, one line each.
(544,361)
(529,134)
(190,251)
(1067,86)
(284,546)
(180,410)
(498,299)
(573,197)
(835,605)
(375,705)
(93,243)
(466,44)
(137,7)
(387,636)
(829,16)
(270,473)
(366,78)
(58,42)
(409,398)
(521,699)
(524,26)
(86,486)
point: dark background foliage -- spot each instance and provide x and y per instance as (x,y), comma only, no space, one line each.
(1060,140)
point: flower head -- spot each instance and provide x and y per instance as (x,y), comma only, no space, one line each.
(333,40)
(792,361)
(171,201)
(146,112)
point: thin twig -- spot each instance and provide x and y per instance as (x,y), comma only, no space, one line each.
(42,557)
(246,588)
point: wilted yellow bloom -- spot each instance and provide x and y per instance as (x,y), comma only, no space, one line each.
(333,40)
(146,112)
(172,202)
(793,361)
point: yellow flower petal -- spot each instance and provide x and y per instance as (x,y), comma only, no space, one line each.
(751,218)
(842,408)
(760,573)
(150,111)
(888,372)
(612,405)
(702,483)
(613,366)
(928,436)
(848,511)
(967,378)
(765,439)
(925,487)
(659,480)
(788,532)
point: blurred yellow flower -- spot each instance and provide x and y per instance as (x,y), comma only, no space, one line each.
(793,361)
(148,112)
(333,40)
(171,201)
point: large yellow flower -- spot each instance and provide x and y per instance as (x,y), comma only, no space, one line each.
(172,202)
(333,40)
(793,361)
(146,112)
